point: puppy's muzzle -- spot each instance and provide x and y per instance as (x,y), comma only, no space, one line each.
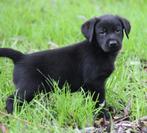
(113,45)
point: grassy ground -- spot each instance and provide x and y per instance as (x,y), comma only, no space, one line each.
(29,26)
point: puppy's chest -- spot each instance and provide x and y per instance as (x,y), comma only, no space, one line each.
(99,70)
(102,70)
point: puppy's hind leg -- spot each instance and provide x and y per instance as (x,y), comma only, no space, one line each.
(9,104)
(26,93)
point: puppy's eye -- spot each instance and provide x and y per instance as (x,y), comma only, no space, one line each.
(118,30)
(103,32)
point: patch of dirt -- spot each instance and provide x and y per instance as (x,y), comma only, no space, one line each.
(119,125)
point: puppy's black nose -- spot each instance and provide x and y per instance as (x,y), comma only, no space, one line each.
(112,43)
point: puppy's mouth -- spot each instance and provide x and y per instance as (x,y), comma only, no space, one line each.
(115,49)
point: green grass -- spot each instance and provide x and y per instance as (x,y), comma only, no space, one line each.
(53,112)
(29,26)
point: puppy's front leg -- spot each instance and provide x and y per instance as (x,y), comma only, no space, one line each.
(98,96)
(97,93)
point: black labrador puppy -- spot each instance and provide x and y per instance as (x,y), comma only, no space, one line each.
(86,64)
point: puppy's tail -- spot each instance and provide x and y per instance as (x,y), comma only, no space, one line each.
(12,54)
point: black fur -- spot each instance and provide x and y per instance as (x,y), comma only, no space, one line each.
(87,64)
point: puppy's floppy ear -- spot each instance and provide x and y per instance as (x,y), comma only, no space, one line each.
(126,25)
(88,28)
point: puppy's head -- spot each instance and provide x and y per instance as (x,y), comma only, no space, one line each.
(107,30)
